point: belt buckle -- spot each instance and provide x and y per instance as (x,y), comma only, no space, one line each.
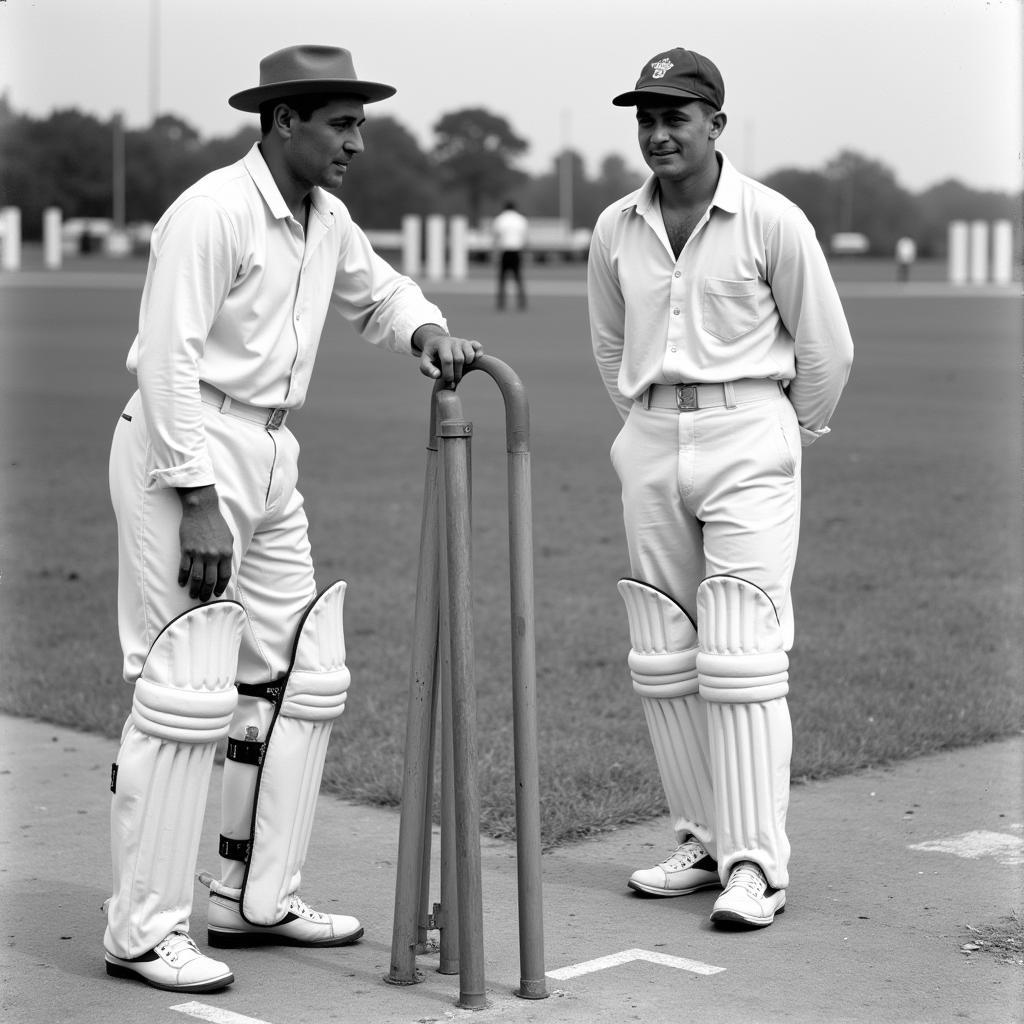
(276,418)
(686,397)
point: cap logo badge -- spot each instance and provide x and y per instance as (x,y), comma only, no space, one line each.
(661,67)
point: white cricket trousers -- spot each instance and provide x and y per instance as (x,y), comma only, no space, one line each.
(712,491)
(155,846)
(272,570)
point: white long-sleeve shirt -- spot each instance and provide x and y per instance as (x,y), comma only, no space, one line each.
(750,295)
(237,294)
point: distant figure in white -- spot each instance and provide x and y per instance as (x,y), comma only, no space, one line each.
(510,230)
(906,253)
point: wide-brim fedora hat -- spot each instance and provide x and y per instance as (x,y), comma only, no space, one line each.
(301,70)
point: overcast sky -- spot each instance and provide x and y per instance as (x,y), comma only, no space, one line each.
(932,88)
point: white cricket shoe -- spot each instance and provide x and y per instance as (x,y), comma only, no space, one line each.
(301,926)
(176,964)
(748,898)
(689,869)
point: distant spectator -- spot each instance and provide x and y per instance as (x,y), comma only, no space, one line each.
(906,253)
(510,230)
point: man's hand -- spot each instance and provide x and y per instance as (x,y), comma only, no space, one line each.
(206,543)
(442,355)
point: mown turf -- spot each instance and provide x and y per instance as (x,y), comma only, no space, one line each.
(908,588)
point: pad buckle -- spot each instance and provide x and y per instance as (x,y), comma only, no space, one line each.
(276,418)
(686,397)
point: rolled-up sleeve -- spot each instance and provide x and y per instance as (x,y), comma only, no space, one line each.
(386,307)
(190,276)
(811,311)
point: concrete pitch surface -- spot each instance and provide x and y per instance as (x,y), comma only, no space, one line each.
(889,869)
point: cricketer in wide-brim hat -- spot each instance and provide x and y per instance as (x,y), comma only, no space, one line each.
(303,70)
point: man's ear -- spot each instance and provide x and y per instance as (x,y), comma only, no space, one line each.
(718,122)
(283,118)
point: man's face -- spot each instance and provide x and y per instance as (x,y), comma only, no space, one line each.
(320,149)
(677,139)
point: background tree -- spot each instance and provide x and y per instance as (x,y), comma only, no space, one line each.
(66,160)
(870,200)
(474,151)
(814,193)
(161,161)
(950,200)
(391,178)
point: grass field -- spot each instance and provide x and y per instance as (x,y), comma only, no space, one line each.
(908,588)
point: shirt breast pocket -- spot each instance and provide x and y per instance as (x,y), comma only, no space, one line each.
(730,307)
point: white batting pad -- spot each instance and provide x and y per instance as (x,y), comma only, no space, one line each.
(182,707)
(662,662)
(272,803)
(743,673)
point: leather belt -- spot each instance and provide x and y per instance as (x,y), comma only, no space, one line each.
(272,419)
(690,397)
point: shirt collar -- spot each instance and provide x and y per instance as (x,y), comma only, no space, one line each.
(258,170)
(726,197)
(727,194)
(264,181)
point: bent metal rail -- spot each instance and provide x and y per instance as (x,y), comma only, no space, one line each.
(443,662)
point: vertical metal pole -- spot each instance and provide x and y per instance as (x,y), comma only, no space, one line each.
(524,711)
(453,442)
(443,654)
(532,983)
(117,187)
(423,921)
(447,911)
(418,742)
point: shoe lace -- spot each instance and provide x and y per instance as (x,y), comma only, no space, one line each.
(749,877)
(300,908)
(686,854)
(176,945)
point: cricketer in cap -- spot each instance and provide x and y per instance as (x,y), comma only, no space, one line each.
(244,268)
(719,335)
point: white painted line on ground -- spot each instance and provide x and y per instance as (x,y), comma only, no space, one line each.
(1008,850)
(628,956)
(215,1015)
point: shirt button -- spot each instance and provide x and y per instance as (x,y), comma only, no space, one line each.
(672,349)
(298,316)
(678,273)
(675,312)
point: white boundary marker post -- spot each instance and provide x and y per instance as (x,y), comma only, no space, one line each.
(10,238)
(53,244)
(412,244)
(1002,252)
(435,247)
(458,256)
(979,252)
(957,256)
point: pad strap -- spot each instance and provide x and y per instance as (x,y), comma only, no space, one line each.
(289,760)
